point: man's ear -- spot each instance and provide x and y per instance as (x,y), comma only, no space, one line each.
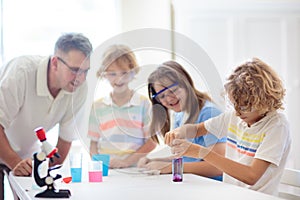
(54,62)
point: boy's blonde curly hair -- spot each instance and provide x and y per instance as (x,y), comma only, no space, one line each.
(254,85)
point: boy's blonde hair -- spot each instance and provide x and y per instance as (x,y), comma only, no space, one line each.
(118,53)
(255,86)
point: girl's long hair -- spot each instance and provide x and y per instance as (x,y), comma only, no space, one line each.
(173,72)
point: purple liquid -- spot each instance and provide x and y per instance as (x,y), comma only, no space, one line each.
(177,169)
(177,178)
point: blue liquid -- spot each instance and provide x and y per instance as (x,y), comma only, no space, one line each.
(76,174)
(105,170)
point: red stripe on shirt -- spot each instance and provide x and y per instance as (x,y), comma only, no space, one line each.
(120,122)
(241,150)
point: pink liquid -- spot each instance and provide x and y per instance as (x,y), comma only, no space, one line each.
(95,176)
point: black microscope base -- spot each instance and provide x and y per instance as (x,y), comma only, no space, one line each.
(54,194)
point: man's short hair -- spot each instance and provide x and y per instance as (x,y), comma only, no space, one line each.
(73,41)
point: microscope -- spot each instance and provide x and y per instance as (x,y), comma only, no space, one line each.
(48,151)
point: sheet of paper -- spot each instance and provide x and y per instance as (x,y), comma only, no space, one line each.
(137,171)
(162,151)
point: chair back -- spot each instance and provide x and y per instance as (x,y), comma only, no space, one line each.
(290,184)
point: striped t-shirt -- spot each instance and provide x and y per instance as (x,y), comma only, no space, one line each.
(120,131)
(268,140)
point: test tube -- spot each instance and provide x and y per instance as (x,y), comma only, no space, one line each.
(177,169)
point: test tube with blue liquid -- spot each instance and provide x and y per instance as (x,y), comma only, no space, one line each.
(76,166)
(177,169)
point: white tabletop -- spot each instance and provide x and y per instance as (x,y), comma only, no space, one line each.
(122,184)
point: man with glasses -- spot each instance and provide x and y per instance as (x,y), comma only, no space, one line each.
(41,91)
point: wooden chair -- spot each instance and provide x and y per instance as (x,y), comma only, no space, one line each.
(290,184)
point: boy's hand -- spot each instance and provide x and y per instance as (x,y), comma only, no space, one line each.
(182,147)
(117,163)
(185,131)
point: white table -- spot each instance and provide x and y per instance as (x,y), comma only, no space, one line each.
(131,186)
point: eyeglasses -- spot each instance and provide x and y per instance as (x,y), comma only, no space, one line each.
(124,74)
(74,70)
(161,95)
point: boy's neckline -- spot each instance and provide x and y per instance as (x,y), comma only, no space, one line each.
(123,98)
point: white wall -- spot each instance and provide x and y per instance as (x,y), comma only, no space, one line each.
(145,14)
(139,14)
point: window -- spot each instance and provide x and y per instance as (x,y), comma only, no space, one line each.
(32,27)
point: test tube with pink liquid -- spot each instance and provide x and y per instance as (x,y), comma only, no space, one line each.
(95,171)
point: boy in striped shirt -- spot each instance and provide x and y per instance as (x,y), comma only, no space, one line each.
(118,123)
(258,138)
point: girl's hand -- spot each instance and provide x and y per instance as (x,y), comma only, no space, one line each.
(143,162)
(162,166)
